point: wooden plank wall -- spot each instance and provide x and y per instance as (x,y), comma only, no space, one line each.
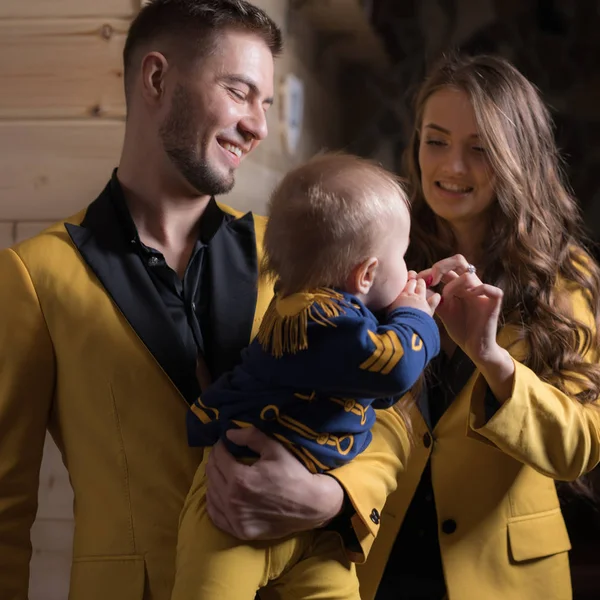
(61,109)
(61,127)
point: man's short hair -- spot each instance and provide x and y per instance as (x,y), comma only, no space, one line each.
(326,217)
(194,27)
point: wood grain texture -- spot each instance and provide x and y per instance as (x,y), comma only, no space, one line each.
(55,494)
(52,541)
(11,9)
(6,235)
(27,229)
(61,68)
(51,169)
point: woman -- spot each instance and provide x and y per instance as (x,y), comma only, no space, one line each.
(511,405)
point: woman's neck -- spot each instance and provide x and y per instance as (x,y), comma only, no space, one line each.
(468,240)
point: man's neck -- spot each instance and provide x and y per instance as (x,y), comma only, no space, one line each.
(166,214)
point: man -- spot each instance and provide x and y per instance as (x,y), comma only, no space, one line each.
(109,320)
(106,318)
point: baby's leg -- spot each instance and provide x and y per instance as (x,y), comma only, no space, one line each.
(211,564)
(323,573)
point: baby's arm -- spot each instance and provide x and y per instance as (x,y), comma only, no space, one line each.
(416,295)
(356,356)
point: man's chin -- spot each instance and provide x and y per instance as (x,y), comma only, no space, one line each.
(226,189)
(225,185)
(211,183)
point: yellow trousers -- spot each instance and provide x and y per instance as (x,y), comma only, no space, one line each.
(212,565)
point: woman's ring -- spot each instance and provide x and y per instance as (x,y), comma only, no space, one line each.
(471,269)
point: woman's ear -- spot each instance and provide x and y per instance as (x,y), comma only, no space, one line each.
(362,277)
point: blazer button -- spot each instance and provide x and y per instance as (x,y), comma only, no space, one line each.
(449,526)
(427,440)
(375,516)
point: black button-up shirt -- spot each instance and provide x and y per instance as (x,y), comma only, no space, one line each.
(187,299)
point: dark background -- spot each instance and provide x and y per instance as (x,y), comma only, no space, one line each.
(556,45)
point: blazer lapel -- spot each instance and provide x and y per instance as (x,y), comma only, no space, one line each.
(233,268)
(103,245)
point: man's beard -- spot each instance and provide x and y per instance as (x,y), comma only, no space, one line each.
(177,134)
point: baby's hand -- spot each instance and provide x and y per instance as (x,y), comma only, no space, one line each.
(416,295)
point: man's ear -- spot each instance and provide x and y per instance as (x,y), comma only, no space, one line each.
(154,69)
(362,277)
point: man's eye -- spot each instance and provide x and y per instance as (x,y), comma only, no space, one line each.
(239,95)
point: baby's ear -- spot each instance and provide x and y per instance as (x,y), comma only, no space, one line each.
(363,276)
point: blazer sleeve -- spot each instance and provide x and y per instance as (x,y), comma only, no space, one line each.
(371,477)
(26,388)
(539,425)
(358,357)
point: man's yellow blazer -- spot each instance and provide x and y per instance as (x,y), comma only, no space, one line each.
(495,479)
(87,350)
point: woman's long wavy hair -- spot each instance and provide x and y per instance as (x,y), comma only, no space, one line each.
(535,232)
(534,247)
(535,238)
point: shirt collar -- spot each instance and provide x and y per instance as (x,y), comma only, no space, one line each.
(211,220)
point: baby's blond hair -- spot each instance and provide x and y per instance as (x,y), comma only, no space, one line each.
(326,217)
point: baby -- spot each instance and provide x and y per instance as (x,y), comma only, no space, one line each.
(321,365)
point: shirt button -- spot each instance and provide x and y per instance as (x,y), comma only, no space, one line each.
(375,516)
(153,261)
(193,306)
(449,526)
(427,440)
(428,498)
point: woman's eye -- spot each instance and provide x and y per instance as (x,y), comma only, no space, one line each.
(435,143)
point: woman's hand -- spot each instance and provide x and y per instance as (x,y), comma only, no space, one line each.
(272,498)
(470,311)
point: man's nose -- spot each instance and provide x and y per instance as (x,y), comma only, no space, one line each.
(254,124)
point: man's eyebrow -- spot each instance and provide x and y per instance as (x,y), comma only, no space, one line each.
(444,130)
(251,85)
